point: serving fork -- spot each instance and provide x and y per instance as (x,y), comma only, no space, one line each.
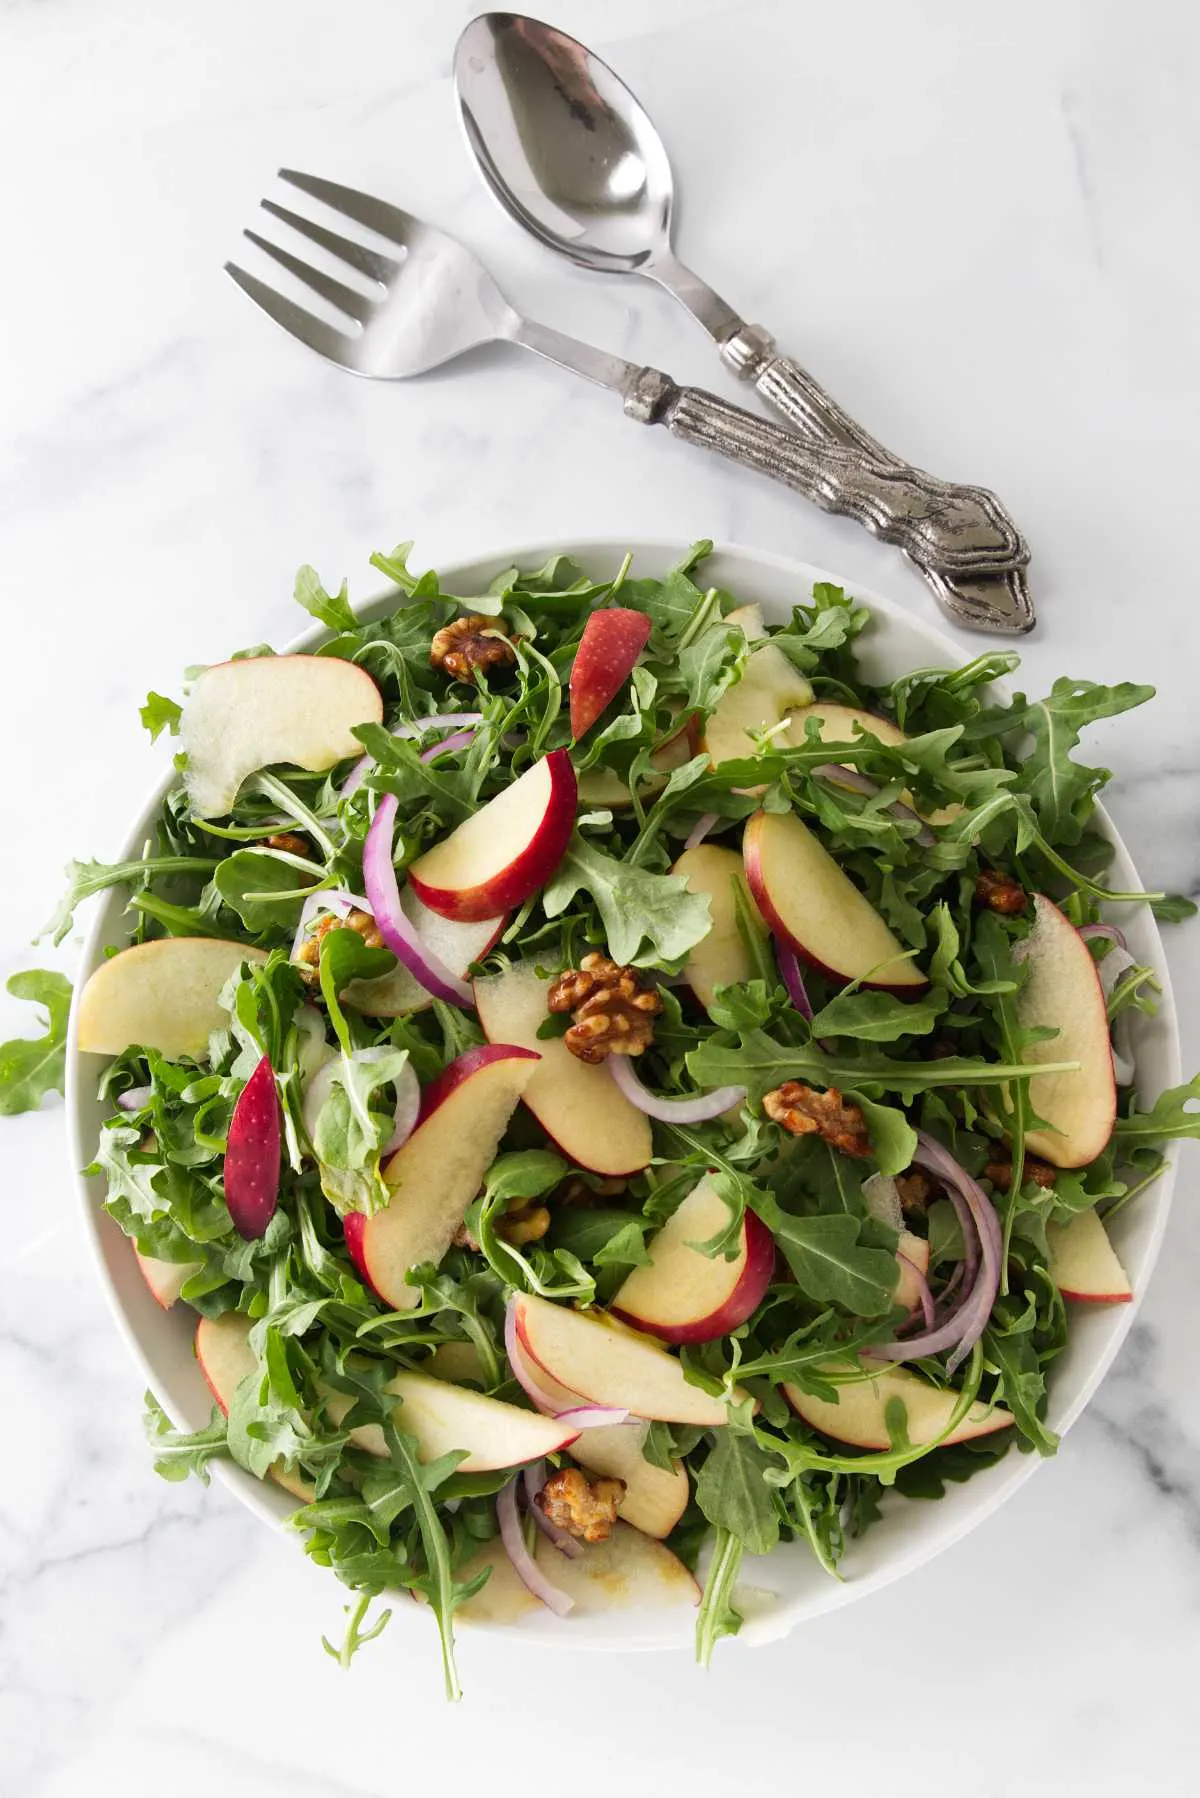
(427,299)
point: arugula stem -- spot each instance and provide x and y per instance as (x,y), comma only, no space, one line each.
(717,1616)
(439,1576)
(1089,886)
(287,801)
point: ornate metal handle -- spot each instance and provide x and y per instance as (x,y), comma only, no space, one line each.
(960,536)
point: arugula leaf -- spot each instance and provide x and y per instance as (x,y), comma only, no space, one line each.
(84,879)
(1167,1119)
(874,1017)
(32,1066)
(159,714)
(829,1261)
(265,887)
(178,1453)
(733,1494)
(333,609)
(635,907)
(717,1616)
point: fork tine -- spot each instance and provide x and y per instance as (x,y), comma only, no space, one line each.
(375,214)
(319,336)
(368,262)
(355,305)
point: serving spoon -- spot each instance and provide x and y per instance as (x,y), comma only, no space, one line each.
(571,155)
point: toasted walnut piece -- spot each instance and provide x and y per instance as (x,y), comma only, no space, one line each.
(999,1172)
(470,643)
(914,1190)
(584,1508)
(288,841)
(999,892)
(308,955)
(524,1222)
(805,1111)
(613,1010)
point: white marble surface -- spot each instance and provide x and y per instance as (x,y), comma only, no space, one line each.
(978,227)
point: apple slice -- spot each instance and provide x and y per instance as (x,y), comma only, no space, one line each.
(495,859)
(457,946)
(444,1417)
(438,1171)
(160,995)
(166,1279)
(770,690)
(859,1416)
(457,1362)
(611,1365)
(612,641)
(225,1357)
(628,1571)
(1062,990)
(913,1256)
(721,958)
(251,1170)
(811,904)
(577,1104)
(681,1295)
(249,714)
(1084,1264)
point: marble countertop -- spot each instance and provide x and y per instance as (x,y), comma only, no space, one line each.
(977,227)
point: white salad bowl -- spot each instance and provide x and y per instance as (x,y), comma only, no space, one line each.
(787,1587)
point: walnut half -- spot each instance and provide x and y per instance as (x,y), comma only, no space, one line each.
(613,1010)
(999,892)
(806,1111)
(586,1509)
(470,643)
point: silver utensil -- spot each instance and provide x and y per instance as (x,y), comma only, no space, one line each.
(571,155)
(432,300)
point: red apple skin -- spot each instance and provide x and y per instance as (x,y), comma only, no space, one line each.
(353,1226)
(611,643)
(218,1401)
(461,1068)
(742,1302)
(252,1154)
(750,855)
(532,867)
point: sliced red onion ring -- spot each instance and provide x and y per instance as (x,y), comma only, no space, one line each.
(1100,932)
(357,775)
(533,1479)
(332,899)
(135,1098)
(408,1097)
(672,1111)
(793,979)
(965,1325)
(523,1373)
(862,783)
(460,739)
(379,878)
(924,1295)
(700,829)
(524,1565)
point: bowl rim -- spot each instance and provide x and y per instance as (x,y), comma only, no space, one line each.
(1015,1469)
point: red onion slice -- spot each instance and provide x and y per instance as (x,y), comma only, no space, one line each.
(524,1565)
(924,1295)
(523,1373)
(379,878)
(793,979)
(533,1479)
(337,900)
(1100,932)
(135,1098)
(461,739)
(700,829)
(408,1097)
(672,1111)
(963,1328)
(357,775)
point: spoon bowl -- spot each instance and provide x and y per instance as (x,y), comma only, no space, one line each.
(563,144)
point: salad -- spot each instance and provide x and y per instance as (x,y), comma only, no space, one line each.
(617,1089)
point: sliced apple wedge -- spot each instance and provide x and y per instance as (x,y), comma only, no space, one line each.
(166,1279)
(225,1358)
(457,946)
(441,1167)
(444,1417)
(811,904)
(577,1104)
(611,1365)
(655,1497)
(859,1417)
(457,1362)
(681,1295)
(249,714)
(628,1571)
(912,1254)
(160,995)
(612,641)
(1084,1264)
(721,958)
(505,851)
(1062,990)
(770,690)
